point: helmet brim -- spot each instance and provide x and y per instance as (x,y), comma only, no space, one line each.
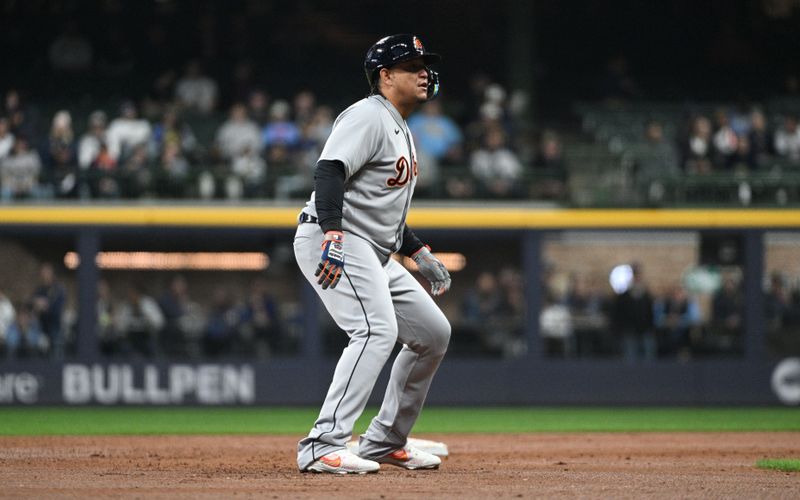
(428,58)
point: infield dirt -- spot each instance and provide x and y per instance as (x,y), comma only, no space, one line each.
(635,465)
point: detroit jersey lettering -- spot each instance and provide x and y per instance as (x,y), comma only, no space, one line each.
(373,142)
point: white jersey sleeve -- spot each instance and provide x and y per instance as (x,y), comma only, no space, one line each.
(355,138)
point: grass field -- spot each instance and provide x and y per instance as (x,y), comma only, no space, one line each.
(780,464)
(34,421)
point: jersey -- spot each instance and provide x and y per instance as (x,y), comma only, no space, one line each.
(375,145)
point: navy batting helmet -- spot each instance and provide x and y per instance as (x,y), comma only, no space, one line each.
(394,49)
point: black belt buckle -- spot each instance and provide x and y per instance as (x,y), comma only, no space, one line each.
(305,218)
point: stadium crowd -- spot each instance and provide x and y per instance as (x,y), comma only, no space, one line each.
(266,147)
(135,322)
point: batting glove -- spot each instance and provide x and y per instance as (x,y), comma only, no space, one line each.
(433,269)
(331,264)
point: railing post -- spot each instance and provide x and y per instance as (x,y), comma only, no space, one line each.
(88,244)
(532,269)
(754,325)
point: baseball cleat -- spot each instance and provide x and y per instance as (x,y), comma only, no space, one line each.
(411,458)
(343,462)
(433,447)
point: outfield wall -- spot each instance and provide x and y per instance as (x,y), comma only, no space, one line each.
(537,238)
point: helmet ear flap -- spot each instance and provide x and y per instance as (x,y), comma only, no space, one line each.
(372,79)
(433,84)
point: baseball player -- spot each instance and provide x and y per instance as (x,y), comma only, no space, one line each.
(346,236)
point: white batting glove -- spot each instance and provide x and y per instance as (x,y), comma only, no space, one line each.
(433,269)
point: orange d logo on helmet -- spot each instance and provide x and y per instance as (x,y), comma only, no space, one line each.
(418,45)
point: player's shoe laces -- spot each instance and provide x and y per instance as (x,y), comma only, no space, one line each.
(411,458)
(343,462)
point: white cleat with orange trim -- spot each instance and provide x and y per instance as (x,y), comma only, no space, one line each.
(343,462)
(411,458)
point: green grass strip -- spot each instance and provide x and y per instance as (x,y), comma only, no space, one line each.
(297,421)
(781,464)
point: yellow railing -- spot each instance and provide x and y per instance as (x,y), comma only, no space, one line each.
(429,217)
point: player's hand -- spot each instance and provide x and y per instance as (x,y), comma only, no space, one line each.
(433,269)
(331,265)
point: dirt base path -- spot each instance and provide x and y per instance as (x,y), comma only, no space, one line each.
(670,465)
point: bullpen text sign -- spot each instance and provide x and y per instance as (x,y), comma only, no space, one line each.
(210,384)
(19,388)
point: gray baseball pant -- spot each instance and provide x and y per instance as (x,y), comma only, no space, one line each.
(377,303)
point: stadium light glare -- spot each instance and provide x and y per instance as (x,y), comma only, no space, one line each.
(621,278)
(170,261)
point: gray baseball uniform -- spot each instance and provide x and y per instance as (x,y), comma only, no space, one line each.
(378,302)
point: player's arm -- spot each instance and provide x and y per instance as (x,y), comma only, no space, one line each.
(430,267)
(329,198)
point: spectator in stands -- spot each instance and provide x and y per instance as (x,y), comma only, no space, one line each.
(25,338)
(135,175)
(496,168)
(313,136)
(697,150)
(160,96)
(196,91)
(740,161)
(304,106)
(171,130)
(248,176)
(139,321)
(490,117)
(184,322)
(551,181)
(61,157)
(727,308)
(759,140)
(632,318)
(316,132)
(172,172)
(655,161)
(6,139)
(126,133)
(260,325)
(97,169)
(221,332)
(7,316)
(436,134)
(556,328)
(237,134)
(480,309)
(258,107)
(19,172)
(280,136)
(71,52)
(48,301)
(725,141)
(104,178)
(22,120)
(787,140)
(587,307)
(777,303)
(91,142)
(740,119)
(510,335)
(676,317)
